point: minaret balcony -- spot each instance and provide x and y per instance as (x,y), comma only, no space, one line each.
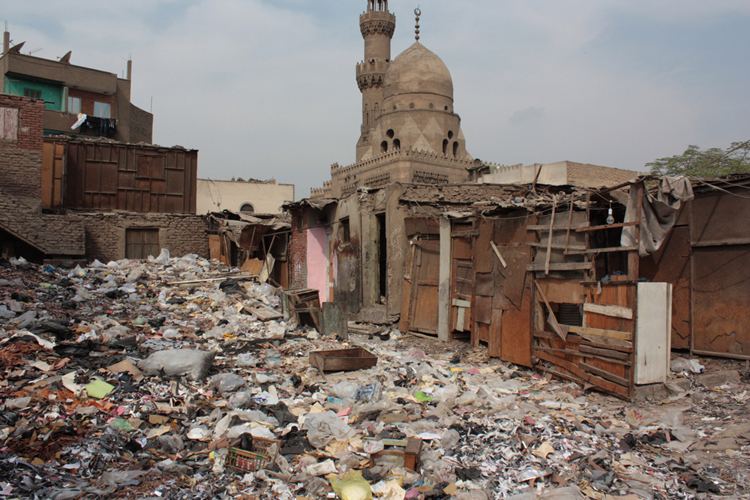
(377,22)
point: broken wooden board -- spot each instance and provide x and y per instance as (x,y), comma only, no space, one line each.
(613,311)
(498,254)
(601,333)
(252,267)
(263,312)
(551,318)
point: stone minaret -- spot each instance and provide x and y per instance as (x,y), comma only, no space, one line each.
(377,25)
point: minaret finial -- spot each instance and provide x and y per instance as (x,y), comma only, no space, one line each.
(418,14)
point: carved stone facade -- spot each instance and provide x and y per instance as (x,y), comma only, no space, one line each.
(409,132)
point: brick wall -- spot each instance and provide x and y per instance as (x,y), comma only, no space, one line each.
(298,253)
(181,234)
(21,158)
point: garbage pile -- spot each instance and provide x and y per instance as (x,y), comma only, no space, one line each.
(156,379)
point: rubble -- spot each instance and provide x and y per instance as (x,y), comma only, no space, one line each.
(156,379)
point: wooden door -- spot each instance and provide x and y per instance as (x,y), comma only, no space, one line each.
(462,284)
(423,311)
(53,170)
(140,243)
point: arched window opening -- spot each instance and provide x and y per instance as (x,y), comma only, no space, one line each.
(455,149)
(450,134)
(384,147)
(247,208)
(397,144)
(445,147)
(390,133)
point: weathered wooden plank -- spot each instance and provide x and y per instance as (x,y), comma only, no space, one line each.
(615,345)
(599,382)
(605,374)
(549,237)
(614,311)
(605,353)
(570,352)
(561,266)
(600,332)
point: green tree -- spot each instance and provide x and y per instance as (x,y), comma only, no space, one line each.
(713,162)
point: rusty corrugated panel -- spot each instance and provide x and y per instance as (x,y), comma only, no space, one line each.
(672,265)
(106,176)
(721,294)
(720,238)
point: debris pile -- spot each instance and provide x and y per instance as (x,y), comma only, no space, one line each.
(167,378)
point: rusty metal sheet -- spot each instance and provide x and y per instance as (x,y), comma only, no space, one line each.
(721,294)
(462,249)
(421,225)
(672,265)
(515,339)
(495,346)
(482,310)
(483,254)
(510,281)
(132,177)
(484,284)
(719,218)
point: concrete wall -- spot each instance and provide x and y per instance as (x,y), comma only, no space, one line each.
(562,173)
(215,196)
(553,174)
(21,158)
(105,233)
(141,125)
(78,81)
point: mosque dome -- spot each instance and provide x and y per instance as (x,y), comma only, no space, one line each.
(417,70)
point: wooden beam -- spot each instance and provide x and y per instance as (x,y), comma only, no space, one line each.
(498,254)
(549,236)
(594,251)
(612,311)
(721,243)
(444,281)
(561,266)
(545,227)
(606,226)
(556,246)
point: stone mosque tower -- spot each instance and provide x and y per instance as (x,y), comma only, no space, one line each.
(407,102)
(409,132)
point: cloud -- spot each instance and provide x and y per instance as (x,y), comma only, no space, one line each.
(265,88)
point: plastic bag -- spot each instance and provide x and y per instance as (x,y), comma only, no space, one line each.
(352,486)
(322,428)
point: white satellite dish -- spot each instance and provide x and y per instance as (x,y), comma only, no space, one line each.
(81,120)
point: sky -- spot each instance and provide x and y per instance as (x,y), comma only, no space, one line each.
(266,88)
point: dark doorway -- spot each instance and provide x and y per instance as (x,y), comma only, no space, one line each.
(382,256)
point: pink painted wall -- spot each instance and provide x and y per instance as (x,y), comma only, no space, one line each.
(317,261)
